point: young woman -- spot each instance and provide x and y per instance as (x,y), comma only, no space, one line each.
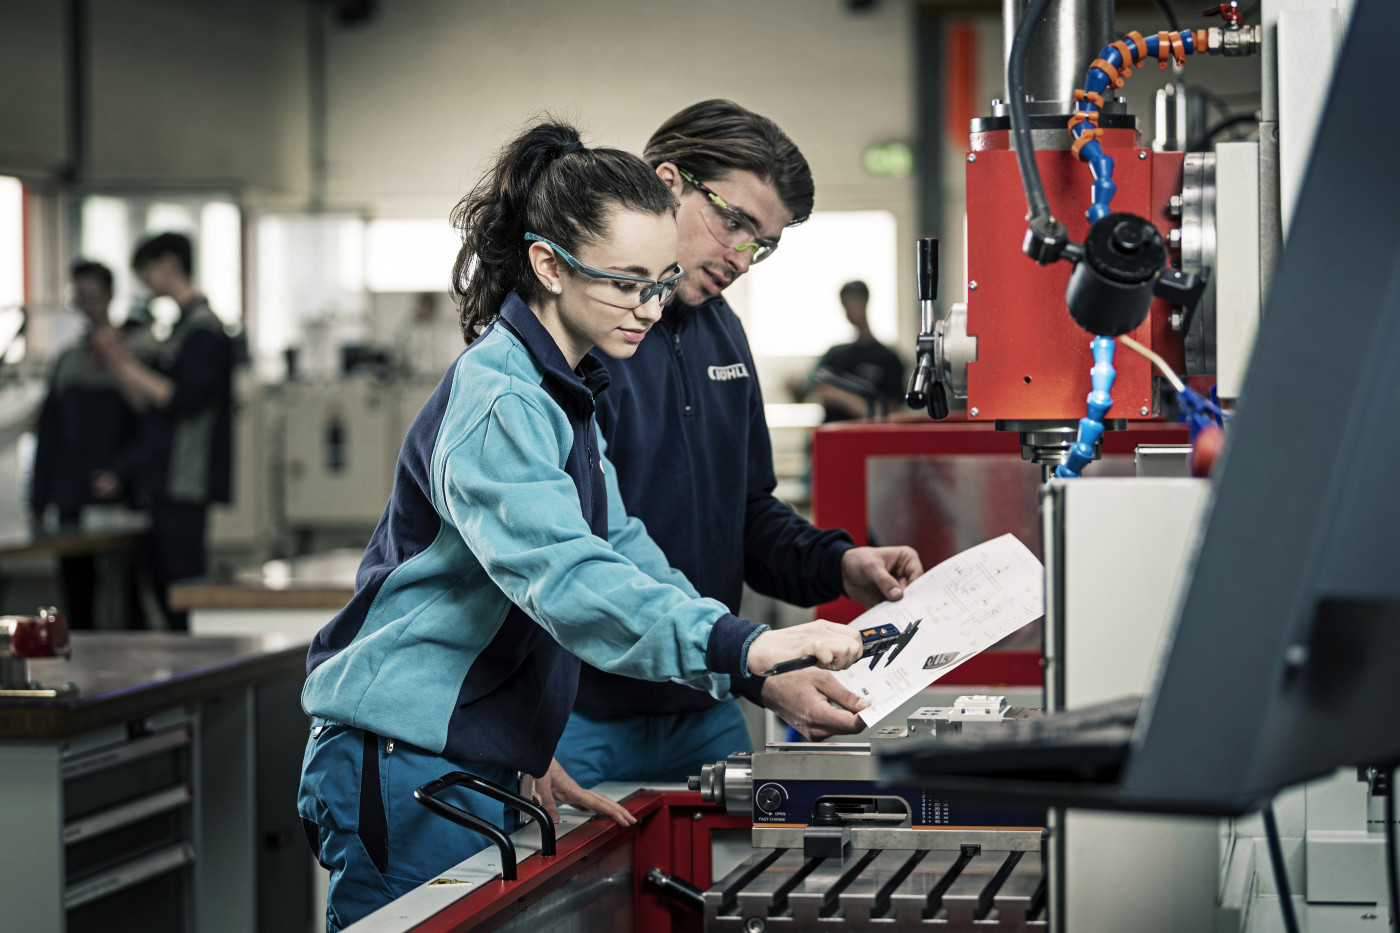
(504,554)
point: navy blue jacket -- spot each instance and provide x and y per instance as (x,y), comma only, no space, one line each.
(684,422)
(504,548)
(85,426)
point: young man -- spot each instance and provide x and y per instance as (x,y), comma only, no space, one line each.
(86,440)
(685,427)
(865,364)
(185,397)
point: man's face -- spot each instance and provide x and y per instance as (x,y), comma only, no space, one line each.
(159,276)
(708,234)
(855,305)
(92,298)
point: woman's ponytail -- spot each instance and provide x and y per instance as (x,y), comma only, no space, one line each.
(545,182)
(491,219)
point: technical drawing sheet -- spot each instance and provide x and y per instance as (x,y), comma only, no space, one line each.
(954,611)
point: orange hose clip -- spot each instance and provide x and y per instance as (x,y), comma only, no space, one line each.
(1092,132)
(1108,69)
(1139,43)
(1080,116)
(1127,57)
(1178,49)
(1093,97)
(1164,47)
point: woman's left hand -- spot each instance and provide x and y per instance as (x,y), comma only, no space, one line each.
(557,787)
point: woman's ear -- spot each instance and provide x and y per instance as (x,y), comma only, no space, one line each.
(547,267)
(670,174)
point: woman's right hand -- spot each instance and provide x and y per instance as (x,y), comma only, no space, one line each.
(836,647)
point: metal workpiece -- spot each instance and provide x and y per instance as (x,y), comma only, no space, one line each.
(1198,253)
(1067,38)
(961,889)
(835,761)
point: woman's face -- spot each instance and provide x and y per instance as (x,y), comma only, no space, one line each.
(591,312)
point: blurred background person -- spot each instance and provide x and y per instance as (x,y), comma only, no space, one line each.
(86,446)
(185,399)
(853,378)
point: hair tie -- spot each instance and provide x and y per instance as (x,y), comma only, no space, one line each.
(573,146)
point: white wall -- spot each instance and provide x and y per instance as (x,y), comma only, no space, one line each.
(422,96)
(424,93)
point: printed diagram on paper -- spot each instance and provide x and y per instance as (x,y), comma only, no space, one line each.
(954,611)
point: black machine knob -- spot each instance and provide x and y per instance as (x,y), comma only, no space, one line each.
(770,799)
(1111,290)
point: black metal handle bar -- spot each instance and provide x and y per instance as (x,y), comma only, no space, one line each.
(427,796)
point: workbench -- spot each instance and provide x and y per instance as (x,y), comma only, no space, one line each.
(164,790)
(293,597)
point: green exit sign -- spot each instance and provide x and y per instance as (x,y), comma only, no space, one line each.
(888,160)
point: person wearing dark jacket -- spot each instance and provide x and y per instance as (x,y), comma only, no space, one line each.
(504,554)
(86,445)
(185,399)
(685,426)
(853,378)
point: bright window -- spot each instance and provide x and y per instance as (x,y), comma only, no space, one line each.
(11,242)
(410,255)
(310,274)
(791,303)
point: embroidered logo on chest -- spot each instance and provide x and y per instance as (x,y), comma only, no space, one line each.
(726,373)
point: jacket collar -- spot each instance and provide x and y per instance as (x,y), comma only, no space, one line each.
(675,314)
(591,377)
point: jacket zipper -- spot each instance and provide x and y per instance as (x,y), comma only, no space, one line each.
(588,429)
(680,364)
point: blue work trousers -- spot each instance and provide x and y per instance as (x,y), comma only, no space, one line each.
(650,748)
(356,802)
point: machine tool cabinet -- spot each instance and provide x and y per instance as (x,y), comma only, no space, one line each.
(157,798)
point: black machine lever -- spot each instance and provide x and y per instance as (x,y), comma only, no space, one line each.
(427,796)
(926,268)
(678,889)
(926,387)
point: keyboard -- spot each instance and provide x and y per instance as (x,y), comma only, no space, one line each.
(1088,744)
